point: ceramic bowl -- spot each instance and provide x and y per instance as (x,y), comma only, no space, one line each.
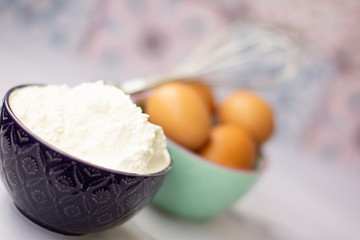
(196,188)
(62,193)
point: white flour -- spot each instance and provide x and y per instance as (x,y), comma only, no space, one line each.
(95,122)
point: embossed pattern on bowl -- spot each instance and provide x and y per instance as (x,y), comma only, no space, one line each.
(62,193)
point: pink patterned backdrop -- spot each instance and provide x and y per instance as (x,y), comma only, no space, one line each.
(332,27)
(318,112)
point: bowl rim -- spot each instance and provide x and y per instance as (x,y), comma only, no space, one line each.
(253,171)
(6,103)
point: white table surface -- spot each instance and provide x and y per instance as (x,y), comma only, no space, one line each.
(298,198)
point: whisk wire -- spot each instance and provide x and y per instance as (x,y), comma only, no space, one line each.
(240,50)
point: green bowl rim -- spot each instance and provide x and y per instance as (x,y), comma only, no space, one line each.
(261,162)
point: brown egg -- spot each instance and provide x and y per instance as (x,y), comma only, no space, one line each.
(249,111)
(231,146)
(204,92)
(181,113)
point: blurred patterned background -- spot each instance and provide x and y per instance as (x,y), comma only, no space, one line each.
(317,113)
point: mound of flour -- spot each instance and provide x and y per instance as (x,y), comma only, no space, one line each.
(95,122)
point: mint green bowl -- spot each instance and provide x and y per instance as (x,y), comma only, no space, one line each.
(196,188)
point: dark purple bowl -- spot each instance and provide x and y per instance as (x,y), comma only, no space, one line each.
(62,193)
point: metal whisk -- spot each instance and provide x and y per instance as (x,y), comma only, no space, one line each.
(241,55)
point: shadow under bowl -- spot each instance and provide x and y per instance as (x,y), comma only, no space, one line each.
(62,193)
